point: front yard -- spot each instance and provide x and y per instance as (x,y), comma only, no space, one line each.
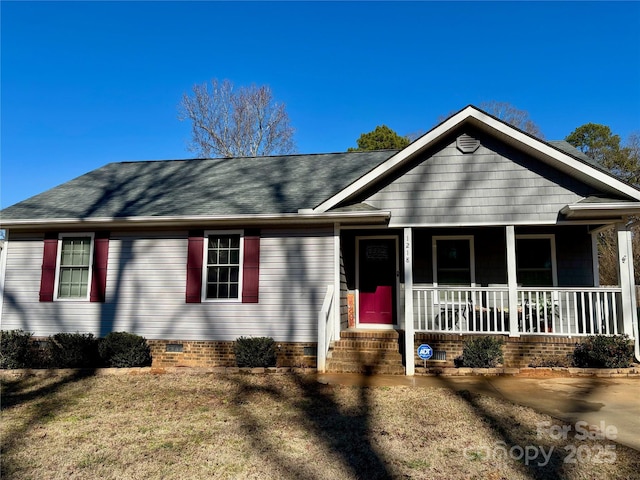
(176,426)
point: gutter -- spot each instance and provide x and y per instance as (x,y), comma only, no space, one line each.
(600,210)
(381,217)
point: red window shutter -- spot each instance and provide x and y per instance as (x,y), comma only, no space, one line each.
(99,275)
(195,254)
(49,258)
(251,268)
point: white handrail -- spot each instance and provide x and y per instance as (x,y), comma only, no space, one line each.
(326,328)
(566,311)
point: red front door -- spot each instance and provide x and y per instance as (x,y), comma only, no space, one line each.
(377,281)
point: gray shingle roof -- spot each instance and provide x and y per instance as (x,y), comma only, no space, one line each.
(240,186)
(566,147)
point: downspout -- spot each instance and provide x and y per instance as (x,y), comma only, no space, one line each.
(637,340)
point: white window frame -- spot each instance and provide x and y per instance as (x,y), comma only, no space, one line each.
(56,286)
(552,241)
(472,255)
(214,233)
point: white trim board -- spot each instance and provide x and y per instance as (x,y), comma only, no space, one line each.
(502,131)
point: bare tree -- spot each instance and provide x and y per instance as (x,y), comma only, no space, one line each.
(513,116)
(243,122)
(507,113)
(608,253)
(599,143)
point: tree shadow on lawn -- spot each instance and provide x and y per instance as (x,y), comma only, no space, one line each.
(563,451)
(513,437)
(346,433)
(47,403)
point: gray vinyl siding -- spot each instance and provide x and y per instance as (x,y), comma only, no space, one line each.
(573,254)
(146,281)
(494,185)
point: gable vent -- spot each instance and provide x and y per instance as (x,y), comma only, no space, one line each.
(467,144)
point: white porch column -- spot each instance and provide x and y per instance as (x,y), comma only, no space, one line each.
(626,276)
(512,281)
(409,334)
(337,299)
(3,267)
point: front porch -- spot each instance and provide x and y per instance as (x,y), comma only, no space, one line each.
(535,320)
(549,322)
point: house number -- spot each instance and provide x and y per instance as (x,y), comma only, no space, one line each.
(407,252)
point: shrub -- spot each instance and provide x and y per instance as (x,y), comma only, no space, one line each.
(602,351)
(255,352)
(482,352)
(73,350)
(39,354)
(551,361)
(14,349)
(122,350)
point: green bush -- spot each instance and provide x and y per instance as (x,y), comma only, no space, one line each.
(482,352)
(73,350)
(551,361)
(602,351)
(255,352)
(14,349)
(122,350)
(39,354)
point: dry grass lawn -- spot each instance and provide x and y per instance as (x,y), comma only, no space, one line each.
(271,426)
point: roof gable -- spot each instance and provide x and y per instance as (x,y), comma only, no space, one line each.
(491,183)
(554,155)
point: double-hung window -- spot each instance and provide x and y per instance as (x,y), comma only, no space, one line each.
(223,266)
(223,269)
(75,253)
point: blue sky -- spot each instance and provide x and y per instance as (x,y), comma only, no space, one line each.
(88,83)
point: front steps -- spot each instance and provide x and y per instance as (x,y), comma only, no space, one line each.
(369,352)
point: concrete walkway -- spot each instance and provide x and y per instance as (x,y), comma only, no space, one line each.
(614,401)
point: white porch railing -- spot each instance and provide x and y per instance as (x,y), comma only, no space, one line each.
(540,311)
(326,328)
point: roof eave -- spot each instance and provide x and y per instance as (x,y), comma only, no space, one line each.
(351,218)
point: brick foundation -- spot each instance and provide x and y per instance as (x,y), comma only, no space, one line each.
(199,353)
(518,351)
